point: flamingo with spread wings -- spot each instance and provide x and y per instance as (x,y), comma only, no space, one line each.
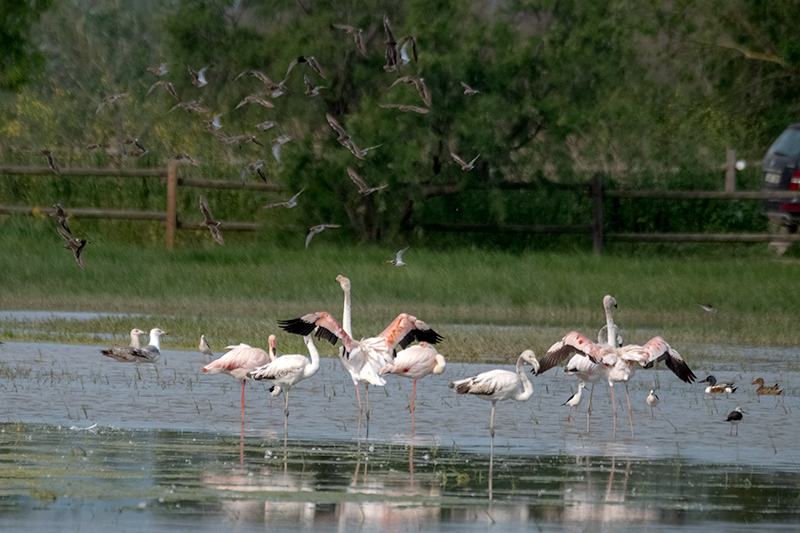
(617,364)
(364,358)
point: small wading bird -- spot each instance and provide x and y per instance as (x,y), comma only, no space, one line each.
(241,360)
(766,391)
(617,364)
(214,125)
(363,188)
(464,165)
(209,222)
(419,83)
(311,89)
(51,161)
(61,216)
(239,140)
(264,126)
(287,371)
(398,260)
(139,151)
(708,307)
(195,106)
(469,91)
(160,70)
(406,108)
(317,229)
(184,158)
(311,61)
(718,387)
(198,76)
(167,87)
(415,362)
(358,36)
(134,354)
(574,400)
(652,401)
(255,99)
(734,418)
(276,146)
(110,99)
(498,385)
(75,244)
(288,204)
(254,168)
(205,349)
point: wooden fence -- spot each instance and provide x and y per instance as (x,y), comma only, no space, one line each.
(595,229)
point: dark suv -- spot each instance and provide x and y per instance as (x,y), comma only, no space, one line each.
(782,173)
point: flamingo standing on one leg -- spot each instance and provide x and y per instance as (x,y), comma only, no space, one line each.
(617,363)
(287,371)
(241,360)
(415,362)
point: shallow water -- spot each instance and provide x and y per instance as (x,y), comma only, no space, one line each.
(96,444)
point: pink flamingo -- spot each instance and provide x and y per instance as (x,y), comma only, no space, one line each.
(241,360)
(364,358)
(615,363)
(415,362)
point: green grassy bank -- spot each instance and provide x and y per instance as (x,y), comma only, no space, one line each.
(236,293)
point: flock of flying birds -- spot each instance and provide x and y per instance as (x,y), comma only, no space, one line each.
(397,52)
(391,352)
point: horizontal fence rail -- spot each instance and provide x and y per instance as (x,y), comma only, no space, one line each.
(594,189)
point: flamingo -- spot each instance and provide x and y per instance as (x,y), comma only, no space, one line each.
(583,367)
(240,360)
(652,401)
(574,400)
(498,385)
(364,358)
(287,371)
(616,364)
(415,362)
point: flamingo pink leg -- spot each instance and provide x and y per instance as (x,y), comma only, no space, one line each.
(630,415)
(413,392)
(243,383)
(614,405)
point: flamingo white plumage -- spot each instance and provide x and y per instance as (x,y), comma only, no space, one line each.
(498,385)
(240,360)
(415,362)
(363,359)
(583,367)
(287,371)
(617,364)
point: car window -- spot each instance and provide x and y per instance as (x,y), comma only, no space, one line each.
(788,144)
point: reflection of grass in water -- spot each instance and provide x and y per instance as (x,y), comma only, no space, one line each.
(237,293)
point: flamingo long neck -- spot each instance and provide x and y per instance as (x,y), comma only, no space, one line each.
(611,328)
(346,320)
(312,351)
(135,340)
(527,388)
(440,364)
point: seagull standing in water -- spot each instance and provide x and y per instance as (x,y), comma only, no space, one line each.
(398,260)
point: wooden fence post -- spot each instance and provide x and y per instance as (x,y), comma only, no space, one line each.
(730,171)
(172,198)
(597,204)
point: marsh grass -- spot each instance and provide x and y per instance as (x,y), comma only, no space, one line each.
(488,304)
